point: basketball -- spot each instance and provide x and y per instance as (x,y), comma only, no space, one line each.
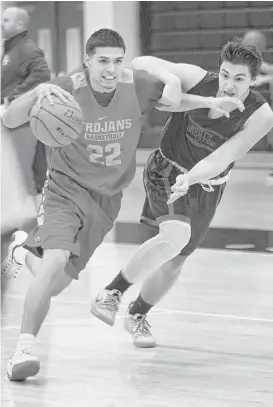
(56,125)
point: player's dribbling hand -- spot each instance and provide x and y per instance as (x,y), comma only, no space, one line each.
(226,104)
(46,90)
(180,188)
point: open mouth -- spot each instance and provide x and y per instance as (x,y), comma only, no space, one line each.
(109,78)
(229,94)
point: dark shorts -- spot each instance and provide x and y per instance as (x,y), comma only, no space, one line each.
(197,207)
(72,218)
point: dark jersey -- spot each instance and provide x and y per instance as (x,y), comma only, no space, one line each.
(103,158)
(23,66)
(188,137)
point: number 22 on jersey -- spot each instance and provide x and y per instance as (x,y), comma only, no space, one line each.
(107,155)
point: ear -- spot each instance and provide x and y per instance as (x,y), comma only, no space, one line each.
(87,60)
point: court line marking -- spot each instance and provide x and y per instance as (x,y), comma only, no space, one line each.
(160,311)
(69,322)
(211,314)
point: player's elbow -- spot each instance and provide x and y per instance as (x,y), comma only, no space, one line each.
(142,62)
(10,119)
(7,120)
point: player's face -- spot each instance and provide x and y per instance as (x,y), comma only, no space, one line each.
(8,24)
(234,80)
(105,68)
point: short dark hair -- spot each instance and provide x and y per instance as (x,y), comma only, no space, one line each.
(237,52)
(104,38)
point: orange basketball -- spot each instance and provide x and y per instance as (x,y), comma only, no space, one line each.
(57,125)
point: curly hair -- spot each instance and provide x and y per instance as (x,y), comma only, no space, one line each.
(237,52)
(104,38)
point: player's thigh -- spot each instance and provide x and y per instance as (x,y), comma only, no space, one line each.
(95,228)
(59,223)
(159,176)
(205,204)
(62,281)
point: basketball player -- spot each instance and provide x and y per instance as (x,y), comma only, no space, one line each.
(82,196)
(182,181)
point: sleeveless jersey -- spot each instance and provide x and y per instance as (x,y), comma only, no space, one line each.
(103,158)
(188,137)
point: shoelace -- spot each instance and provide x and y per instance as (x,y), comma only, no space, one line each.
(9,263)
(25,351)
(111,302)
(20,352)
(141,326)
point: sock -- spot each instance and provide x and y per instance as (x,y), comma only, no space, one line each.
(139,306)
(19,255)
(25,341)
(119,283)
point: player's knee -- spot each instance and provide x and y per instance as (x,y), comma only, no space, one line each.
(54,262)
(177,234)
(61,284)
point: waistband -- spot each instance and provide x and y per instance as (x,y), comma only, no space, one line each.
(207,185)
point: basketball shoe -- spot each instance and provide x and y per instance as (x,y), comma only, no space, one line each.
(138,326)
(106,306)
(22,365)
(10,267)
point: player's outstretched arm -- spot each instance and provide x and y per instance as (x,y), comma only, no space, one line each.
(17,113)
(164,71)
(256,127)
(222,105)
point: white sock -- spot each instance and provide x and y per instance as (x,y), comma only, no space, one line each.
(25,341)
(19,255)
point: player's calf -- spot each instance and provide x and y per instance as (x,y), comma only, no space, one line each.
(51,279)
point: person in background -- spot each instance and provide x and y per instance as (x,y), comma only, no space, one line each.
(23,68)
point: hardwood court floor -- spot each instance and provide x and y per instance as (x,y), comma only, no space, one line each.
(214,333)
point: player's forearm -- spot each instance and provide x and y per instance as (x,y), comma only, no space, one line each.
(192,102)
(17,112)
(206,169)
(156,68)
